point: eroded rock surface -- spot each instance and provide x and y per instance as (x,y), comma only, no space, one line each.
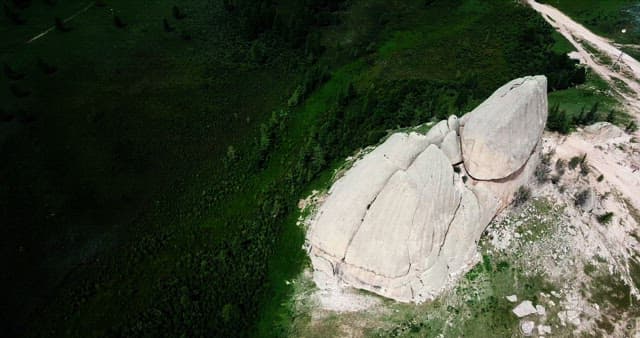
(501,133)
(403,223)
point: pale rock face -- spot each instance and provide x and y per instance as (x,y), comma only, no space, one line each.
(343,212)
(604,131)
(401,223)
(501,133)
(436,134)
(451,147)
(453,123)
(524,309)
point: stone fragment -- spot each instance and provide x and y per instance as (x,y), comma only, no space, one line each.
(524,309)
(541,310)
(527,327)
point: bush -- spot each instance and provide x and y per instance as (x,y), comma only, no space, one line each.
(560,166)
(605,218)
(575,161)
(542,172)
(558,120)
(521,196)
(118,22)
(600,178)
(584,167)
(581,197)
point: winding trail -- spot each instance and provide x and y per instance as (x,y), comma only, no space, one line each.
(619,168)
(625,68)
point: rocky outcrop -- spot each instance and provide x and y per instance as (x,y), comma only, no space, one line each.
(502,132)
(403,223)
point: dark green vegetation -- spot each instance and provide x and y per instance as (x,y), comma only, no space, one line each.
(521,196)
(153,155)
(605,218)
(613,295)
(584,105)
(607,18)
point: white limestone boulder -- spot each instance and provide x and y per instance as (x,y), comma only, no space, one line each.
(524,309)
(402,223)
(350,196)
(502,132)
(451,147)
(453,123)
(436,134)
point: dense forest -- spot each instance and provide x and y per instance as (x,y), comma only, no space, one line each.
(153,155)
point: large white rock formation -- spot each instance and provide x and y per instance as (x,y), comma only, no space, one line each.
(403,223)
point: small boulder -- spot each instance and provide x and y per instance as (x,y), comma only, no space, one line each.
(603,131)
(524,309)
(527,327)
(453,123)
(544,329)
(512,298)
(541,310)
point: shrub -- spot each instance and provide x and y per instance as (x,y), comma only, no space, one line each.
(167,27)
(13,16)
(19,92)
(46,68)
(560,166)
(581,197)
(600,178)
(605,218)
(575,161)
(521,196)
(584,167)
(558,120)
(12,74)
(542,172)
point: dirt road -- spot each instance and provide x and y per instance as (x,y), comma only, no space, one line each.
(617,160)
(623,67)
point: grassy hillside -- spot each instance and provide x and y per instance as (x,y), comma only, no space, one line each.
(152,178)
